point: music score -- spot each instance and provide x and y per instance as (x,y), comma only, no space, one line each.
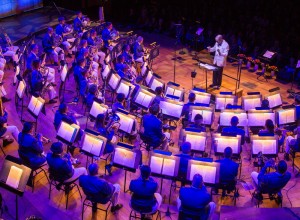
(274,99)
(259,117)
(250,102)
(93,144)
(208,170)
(97,109)
(201,97)
(206,112)
(223,100)
(267,145)
(197,140)
(164,165)
(171,108)
(35,105)
(14,177)
(226,115)
(144,98)
(127,122)
(68,132)
(155,82)
(286,116)
(125,157)
(221,142)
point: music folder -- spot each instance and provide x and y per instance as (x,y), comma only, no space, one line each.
(144,98)
(250,102)
(286,116)
(92,143)
(67,132)
(21,89)
(222,100)
(105,72)
(174,90)
(207,66)
(156,82)
(98,108)
(274,99)
(201,97)
(35,105)
(268,145)
(257,118)
(127,121)
(171,109)
(125,87)
(196,138)
(126,157)
(114,81)
(149,77)
(227,114)
(144,69)
(210,171)
(164,164)
(220,142)
(206,112)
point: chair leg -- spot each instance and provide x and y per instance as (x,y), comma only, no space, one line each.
(82,212)
(50,189)
(2,151)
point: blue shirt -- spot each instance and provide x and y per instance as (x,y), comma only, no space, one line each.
(59,167)
(78,70)
(59,30)
(36,81)
(58,117)
(30,58)
(77,25)
(228,170)
(47,43)
(106,36)
(138,51)
(236,130)
(117,105)
(153,129)
(128,57)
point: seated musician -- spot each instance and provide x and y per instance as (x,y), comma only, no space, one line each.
(98,190)
(144,196)
(82,45)
(126,52)
(106,37)
(138,50)
(48,46)
(9,49)
(38,82)
(292,142)
(84,84)
(78,27)
(31,149)
(265,104)
(198,123)
(119,102)
(195,199)
(120,65)
(228,169)
(270,130)
(186,109)
(159,96)
(271,182)
(63,114)
(92,95)
(79,69)
(5,129)
(153,129)
(99,56)
(59,30)
(235,129)
(60,166)
(109,134)
(185,156)
(2,60)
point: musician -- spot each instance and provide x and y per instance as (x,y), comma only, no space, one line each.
(152,127)
(99,56)
(221,49)
(120,65)
(31,149)
(126,52)
(78,27)
(92,95)
(234,129)
(49,47)
(38,82)
(60,166)
(2,61)
(139,51)
(186,108)
(144,196)
(90,64)
(265,104)
(119,102)
(7,129)
(195,199)
(63,114)
(292,142)
(228,168)
(59,30)
(3,93)
(84,83)
(198,123)
(159,95)
(271,182)
(185,156)
(98,190)
(106,37)
(10,50)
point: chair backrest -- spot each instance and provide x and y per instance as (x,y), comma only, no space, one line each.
(185,215)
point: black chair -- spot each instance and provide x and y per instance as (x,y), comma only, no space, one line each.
(228,189)
(275,195)
(138,214)
(1,146)
(89,203)
(185,214)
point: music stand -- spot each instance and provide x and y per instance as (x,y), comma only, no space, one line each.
(207,68)
(286,116)
(274,98)
(92,145)
(144,98)
(127,121)
(126,158)
(201,97)
(19,96)
(113,81)
(14,177)
(222,100)
(148,78)
(154,52)
(268,145)
(196,138)
(125,87)
(67,133)
(227,114)
(106,72)
(250,102)
(173,89)
(96,109)
(206,112)
(221,141)
(171,109)
(35,106)
(268,56)
(155,82)
(144,69)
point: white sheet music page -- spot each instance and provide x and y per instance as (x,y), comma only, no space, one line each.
(144,68)
(207,172)
(92,144)
(156,83)
(14,177)
(21,88)
(67,131)
(147,100)
(220,103)
(265,146)
(124,157)
(113,81)
(251,103)
(148,77)
(286,116)
(64,72)
(206,114)
(170,109)
(123,88)
(105,71)
(274,100)
(156,164)
(224,142)
(35,105)
(126,123)
(170,91)
(97,109)
(259,119)
(169,167)
(197,141)
(204,99)
(268,54)
(225,118)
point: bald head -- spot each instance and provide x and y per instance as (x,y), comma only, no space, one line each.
(219,39)
(197,181)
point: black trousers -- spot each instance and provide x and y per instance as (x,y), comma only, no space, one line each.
(217,76)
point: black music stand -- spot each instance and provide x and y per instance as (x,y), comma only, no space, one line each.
(291,90)
(144,98)
(124,157)
(9,177)
(35,106)
(268,56)
(206,67)
(154,52)
(67,133)
(19,96)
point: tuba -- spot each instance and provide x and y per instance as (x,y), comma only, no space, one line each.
(98,42)
(93,51)
(57,40)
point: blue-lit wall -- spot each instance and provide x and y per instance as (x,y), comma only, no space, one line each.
(11,7)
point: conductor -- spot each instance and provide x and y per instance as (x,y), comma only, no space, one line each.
(221,49)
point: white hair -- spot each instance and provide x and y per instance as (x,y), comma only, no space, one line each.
(139,39)
(219,37)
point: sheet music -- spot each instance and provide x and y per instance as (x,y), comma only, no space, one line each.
(156,83)
(205,99)
(113,81)
(144,68)
(221,103)
(105,71)
(68,132)
(274,100)
(148,77)
(207,172)
(124,157)
(171,109)
(156,164)
(207,66)
(286,116)
(259,119)
(92,144)
(265,146)
(14,177)
(251,103)
(35,105)
(198,142)
(144,99)
(169,167)
(97,109)
(174,92)
(268,54)
(206,114)
(126,123)
(21,89)
(124,88)
(225,118)
(223,142)
(64,72)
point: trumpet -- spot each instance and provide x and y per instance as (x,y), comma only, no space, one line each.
(262,160)
(113,121)
(44,140)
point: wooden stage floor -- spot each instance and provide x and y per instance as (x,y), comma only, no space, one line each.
(38,204)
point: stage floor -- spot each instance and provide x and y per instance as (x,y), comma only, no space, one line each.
(38,204)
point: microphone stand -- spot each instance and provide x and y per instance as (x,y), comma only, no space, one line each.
(291,91)
(175,53)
